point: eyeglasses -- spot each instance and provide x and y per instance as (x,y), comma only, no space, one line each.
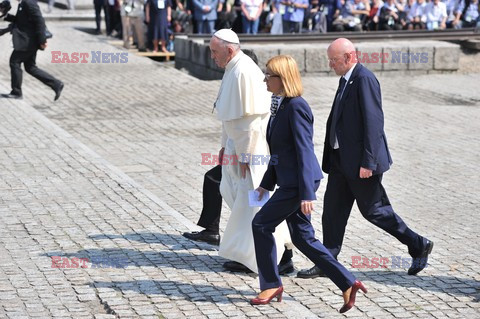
(268,76)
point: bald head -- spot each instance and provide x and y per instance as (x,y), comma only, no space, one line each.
(341,55)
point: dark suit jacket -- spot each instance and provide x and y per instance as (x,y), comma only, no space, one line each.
(290,138)
(359,127)
(28,26)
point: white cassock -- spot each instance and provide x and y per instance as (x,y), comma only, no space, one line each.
(243,106)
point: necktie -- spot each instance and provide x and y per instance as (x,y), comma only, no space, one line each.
(336,106)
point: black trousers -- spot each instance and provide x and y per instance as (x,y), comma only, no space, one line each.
(28,59)
(99,6)
(373,203)
(212,206)
(212,200)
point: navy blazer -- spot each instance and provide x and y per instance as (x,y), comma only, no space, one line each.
(290,137)
(359,127)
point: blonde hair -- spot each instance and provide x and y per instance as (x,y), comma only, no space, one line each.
(286,68)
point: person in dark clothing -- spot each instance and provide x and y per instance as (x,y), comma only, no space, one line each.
(158,14)
(29,34)
(99,6)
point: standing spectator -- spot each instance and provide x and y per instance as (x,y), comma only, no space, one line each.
(205,13)
(294,14)
(115,22)
(251,11)
(275,17)
(158,14)
(133,17)
(28,35)
(436,12)
(226,15)
(99,5)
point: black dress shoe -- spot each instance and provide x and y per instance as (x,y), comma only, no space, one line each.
(204,236)
(58,90)
(420,262)
(12,96)
(236,267)
(313,272)
(286,267)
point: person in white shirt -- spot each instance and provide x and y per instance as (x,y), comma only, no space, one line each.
(251,11)
(436,12)
(466,17)
(416,15)
(243,106)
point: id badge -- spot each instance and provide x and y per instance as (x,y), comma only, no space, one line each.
(161,4)
(325,11)
(291,9)
(281,9)
(468,19)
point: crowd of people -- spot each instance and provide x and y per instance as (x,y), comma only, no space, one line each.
(154,22)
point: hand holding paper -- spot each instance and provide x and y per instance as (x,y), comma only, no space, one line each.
(258,198)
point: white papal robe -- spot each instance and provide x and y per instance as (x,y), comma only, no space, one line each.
(243,106)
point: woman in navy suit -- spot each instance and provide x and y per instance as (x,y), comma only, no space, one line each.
(294,168)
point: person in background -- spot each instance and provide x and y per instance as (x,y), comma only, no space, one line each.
(132,22)
(115,22)
(416,17)
(251,11)
(99,6)
(158,13)
(205,13)
(467,14)
(294,15)
(390,16)
(436,12)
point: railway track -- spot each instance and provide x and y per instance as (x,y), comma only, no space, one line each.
(414,35)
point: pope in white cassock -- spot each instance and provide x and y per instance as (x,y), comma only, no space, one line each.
(243,106)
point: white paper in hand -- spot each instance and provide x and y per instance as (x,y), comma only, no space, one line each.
(253,198)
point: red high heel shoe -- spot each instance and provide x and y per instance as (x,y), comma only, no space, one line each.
(351,301)
(264,301)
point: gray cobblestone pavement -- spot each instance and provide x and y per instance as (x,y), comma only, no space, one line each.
(112,173)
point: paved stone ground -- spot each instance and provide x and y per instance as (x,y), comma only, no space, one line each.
(111,172)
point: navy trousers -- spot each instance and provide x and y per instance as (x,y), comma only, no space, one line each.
(372,202)
(285,205)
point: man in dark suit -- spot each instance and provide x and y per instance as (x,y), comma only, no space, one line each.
(355,156)
(28,32)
